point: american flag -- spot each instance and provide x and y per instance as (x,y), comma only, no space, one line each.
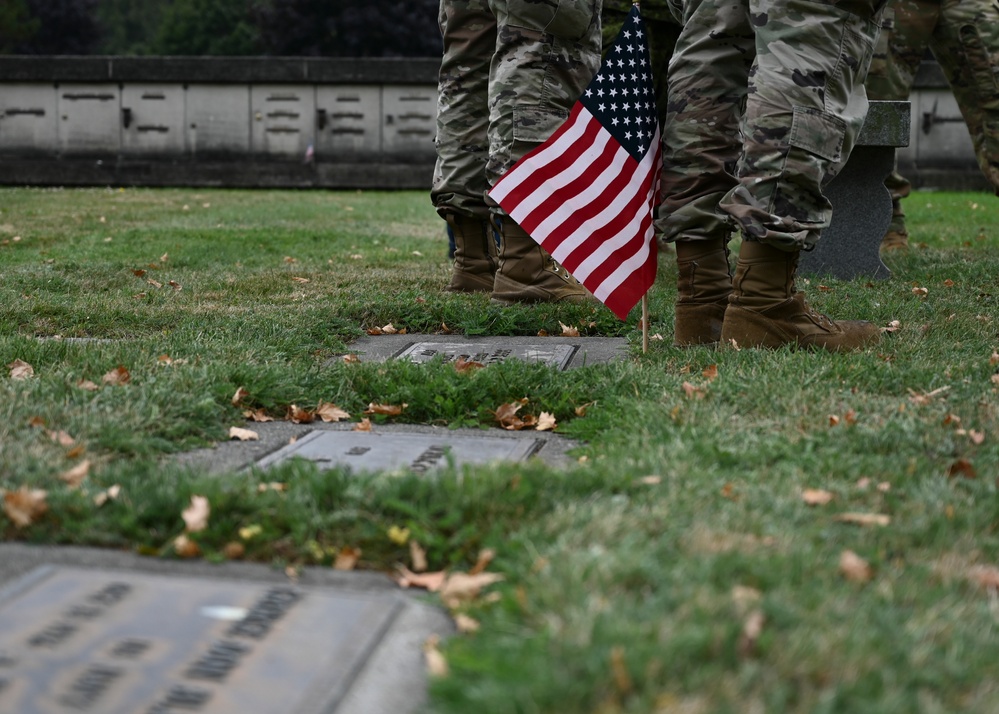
(587,194)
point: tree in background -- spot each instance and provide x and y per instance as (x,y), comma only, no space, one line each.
(309,28)
(67,27)
(129,26)
(217,28)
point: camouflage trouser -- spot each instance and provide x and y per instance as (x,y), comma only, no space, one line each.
(766,99)
(662,29)
(964,38)
(511,71)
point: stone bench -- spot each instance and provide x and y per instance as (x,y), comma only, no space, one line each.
(849,247)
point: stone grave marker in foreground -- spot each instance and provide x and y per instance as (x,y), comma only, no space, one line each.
(107,642)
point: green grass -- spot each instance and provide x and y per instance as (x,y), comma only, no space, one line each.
(622,593)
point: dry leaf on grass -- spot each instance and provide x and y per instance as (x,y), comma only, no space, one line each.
(816,497)
(399,536)
(568,330)
(986,576)
(854,568)
(117,376)
(363,425)
(61,437)
(74,476)
(297,415)
(546,422)
(463,365)
(466,624)
(462,587)
(243,434)
(431,582)
(109,494)
(417,557)
(864,519)
(258,415)
(962,467)
(619,671)
(87,385)
(196,515)
(19,369)
(436,664)
(185,547)
(922,399)
(486,556)
(385,409)
(692,392)
(346,558)
(752,628)
(329,412)
(239,396)
(25,505)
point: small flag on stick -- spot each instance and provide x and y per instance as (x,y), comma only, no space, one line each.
(587,194)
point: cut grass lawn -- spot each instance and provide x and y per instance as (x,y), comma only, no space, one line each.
(675,568)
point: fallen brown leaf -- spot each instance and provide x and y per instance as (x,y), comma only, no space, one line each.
(258,415)
(196,514)
(109,494)
(816,497)
(74,476)
(25,505)
(346,558)
(463,365)
(486,556)
(330,412)
(385,409)
(619,671)
(436,663)
(239,396)
(462,587)
(863,519)
(692,392)
(297,415)
(466,624)
(61,437)
(568,330)
(186,547)
(363,425)
(417,557)
(962,467)
(431,582)
(546,422)
(19,369)
(986,576)
(243,434)
(752,628)
(854,568)
(117,376)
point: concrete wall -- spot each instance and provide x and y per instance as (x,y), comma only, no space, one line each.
(294,122)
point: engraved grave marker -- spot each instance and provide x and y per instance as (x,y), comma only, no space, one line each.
(420,453)
(75,641)
(554,355)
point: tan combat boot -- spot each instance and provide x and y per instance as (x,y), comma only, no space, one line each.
(766,311)
(703,284)
(527,273)
(474,254)
(895,240)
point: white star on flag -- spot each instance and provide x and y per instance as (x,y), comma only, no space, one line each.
(587,194)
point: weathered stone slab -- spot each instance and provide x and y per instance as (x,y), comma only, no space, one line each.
(560,352)
(420,453)
(107,642)
(557,356)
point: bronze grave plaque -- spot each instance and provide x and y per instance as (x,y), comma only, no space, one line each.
(78,641)
(393,451)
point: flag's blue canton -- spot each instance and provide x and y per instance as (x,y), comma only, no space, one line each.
(621,97)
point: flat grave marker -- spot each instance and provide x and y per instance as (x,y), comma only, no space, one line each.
(393,451)
(106,642)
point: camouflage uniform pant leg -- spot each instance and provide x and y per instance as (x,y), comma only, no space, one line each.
(966,44)
(546,54)
(469,31)
(905,37)
(805,107)
(708,83)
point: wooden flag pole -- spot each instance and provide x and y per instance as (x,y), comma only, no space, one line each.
(645,323)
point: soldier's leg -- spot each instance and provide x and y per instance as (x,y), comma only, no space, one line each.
(545,56)
(469,32)
(905,37)
(805,107)
(708,81)
(966,44)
